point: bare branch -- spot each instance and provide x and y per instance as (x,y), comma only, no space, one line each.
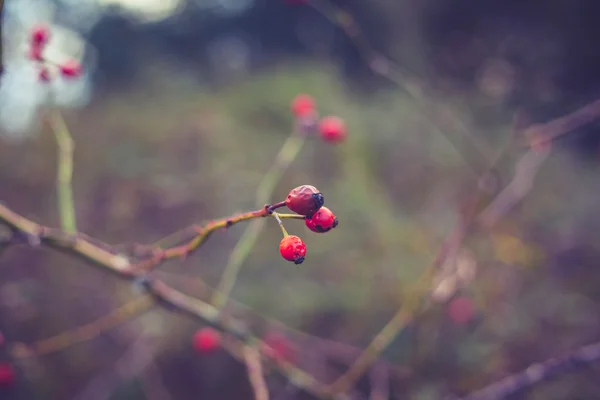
(255,373)
(538,373)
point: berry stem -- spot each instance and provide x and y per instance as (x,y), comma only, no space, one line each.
(285,233)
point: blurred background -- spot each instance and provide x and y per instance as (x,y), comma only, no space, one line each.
(183,106)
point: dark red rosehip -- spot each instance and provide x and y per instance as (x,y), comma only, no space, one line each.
(305,200)
(322,221)
(7,374)
(292,248)
(206,340)
(332,129)
(303,105)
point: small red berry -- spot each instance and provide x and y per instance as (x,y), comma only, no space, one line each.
(322,221)
(283,348)
(292,248)
(303,105)
(461,310)
(304,200)
(206,340)
(332,129)
(70,69)
(7,374)
(44,75)
(40,35)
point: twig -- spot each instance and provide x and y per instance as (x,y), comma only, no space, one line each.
(287,154)
(65,145)
(255,373)
(538,373)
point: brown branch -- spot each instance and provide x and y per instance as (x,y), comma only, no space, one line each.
(538,373)
(78,245)
(255,373)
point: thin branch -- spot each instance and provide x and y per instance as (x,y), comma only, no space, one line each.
(255,373)
(65,145)
(287,154)
(36,235)
(538,373)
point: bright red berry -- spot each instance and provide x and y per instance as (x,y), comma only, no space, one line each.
(70,69)
(206,340)
(44,75)
(461,310)
(40,35)
(283,348)
(322,221)
(292,248)
(332,129)
(303,105)
(305,200)
(7,374)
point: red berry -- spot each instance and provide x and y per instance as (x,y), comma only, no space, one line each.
(7,374)
(206,340)
(40,35)
(322,221)
(44,75)
(70,69)
(332,129)
(303,105)
(283,348)
(304,200)
(292,248)
(461,310)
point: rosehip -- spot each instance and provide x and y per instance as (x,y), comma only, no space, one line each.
(461,310)
(303,105)
(7,374)
(304,200)
(292,248)
(283,348)
(70,69)
(206,340)
(40,35)
(322,221)
(332,129)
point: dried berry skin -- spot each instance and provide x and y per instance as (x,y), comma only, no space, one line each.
(322,221)
(305,200)
(206,340)
(292,248)
(303,105)
(332,129)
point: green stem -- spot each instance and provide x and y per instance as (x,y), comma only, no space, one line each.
(65,145)
(289,151)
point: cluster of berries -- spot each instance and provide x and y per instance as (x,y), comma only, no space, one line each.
(332,129)
(39,38)
(207,340)
(308,201)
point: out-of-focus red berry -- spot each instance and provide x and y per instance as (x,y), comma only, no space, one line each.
(303,105)
(206,340)
(40,34)
(304,200)
(461,310)
(322,221)
(292,248)
(44,75)
(283,348)
(70,69)
(332,129)
(7,374)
